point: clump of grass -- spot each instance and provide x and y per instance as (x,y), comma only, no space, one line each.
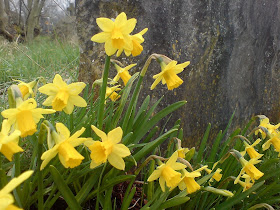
(43,57)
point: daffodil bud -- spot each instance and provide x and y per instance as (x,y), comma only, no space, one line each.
(14,95)
(219,191)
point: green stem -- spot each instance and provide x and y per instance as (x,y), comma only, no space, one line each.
(103,92)
(98,188)
(41,137)
(71,122)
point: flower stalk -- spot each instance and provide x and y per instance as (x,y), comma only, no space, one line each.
(103,92)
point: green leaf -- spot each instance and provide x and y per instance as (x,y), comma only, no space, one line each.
(203,144)
(152,145)
(215,148)
(128,199)
(237,199)
(64,189)
(174,202)
(147,126)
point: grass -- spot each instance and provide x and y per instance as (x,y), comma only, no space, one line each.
(43,57)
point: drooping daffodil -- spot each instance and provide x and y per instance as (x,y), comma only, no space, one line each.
(26,89)
(167,173)
(6,198)
(111,92)
(25,116)
(123,73)
(9,141)
(63,96)
(275,141)
(249,169)
(251,151)
(168,74)
(109,148)
(64,147)
(188,180)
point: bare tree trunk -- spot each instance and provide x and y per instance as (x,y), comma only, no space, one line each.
(35,8)
(4,22)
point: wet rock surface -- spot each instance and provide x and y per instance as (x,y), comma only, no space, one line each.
(233,46)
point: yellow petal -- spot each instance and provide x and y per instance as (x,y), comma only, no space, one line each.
(69,108)
(49,89)
(93,164)
(16,182)
(49,101)
(172,159)
(115,135)
(101,37)
(5,200)
(109,49)
(129,26)
(155,83)
(78,101)
(58,81)
(162,183)
(116,161)
(9,149)
(48,156)
(76,88)
(62,131)
(105,24)
(155,175)
(121,150)
(121,19)
(99,133)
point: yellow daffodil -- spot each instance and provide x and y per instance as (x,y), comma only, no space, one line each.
(275,141)
(65,147)
(63,96)
(217,175)
(6,198)
(167,173)
(115,33)
(249,169)
(9,141)
(189,182)
(247,184)
(264,122)
(26,116)
(26,89)
(123,73)
(111,93)
(168,74)
(137,40)
(251,151)
(108,149)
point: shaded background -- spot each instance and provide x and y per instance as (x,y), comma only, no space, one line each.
(233,46)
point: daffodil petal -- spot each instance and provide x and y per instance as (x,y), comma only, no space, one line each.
(155,175)
(77,101)
(115,135)
(101,37)
(69,108)
(105,24)
(48,101)
(121,150)
(59,81)
(99,133)
(155,83)
(116,161)
(49,89)
(16,182)
(109,49)
(62,131)
(162,183)
(76,88)
(48,156)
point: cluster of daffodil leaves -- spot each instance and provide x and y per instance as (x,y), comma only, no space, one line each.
(174,172)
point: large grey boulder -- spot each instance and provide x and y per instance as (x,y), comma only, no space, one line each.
(233,46)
